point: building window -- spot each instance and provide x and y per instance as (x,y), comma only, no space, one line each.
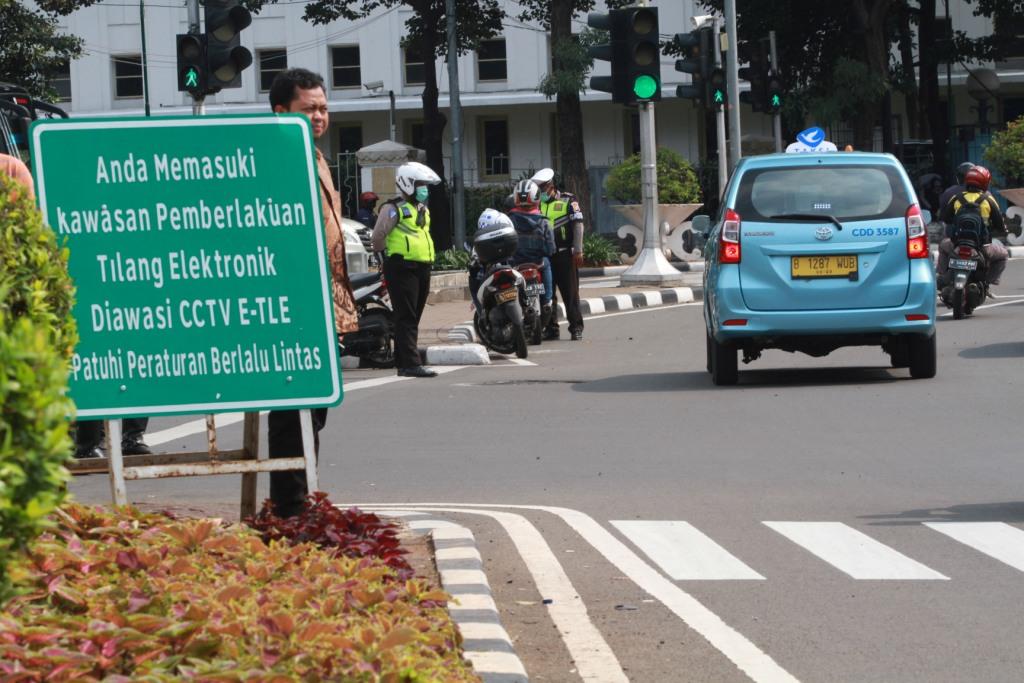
(272,62)
(413,134)
(415,70)
(491,64)
(61,81)
(127,76)
(345,67)
(494,148)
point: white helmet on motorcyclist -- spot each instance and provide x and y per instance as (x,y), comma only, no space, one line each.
(491,220)
(526,193)
(411,173)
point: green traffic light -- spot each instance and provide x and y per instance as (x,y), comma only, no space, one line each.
(719,97)
(191,78)
(644,87)
(776,101)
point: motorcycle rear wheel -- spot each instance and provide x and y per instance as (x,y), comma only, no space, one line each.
(384,356)
(483,331)
(519,337)
(957,297)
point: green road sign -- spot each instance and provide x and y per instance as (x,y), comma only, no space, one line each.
(198,252)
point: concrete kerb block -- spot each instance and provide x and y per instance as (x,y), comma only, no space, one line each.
(456,354)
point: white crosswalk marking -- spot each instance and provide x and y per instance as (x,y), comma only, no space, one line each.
(684,552)
(853,552)
(996,539)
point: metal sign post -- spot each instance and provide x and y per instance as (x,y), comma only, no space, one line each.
(777,117)
(198,254)
(651,267)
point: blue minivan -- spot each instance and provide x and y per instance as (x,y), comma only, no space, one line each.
(813,252)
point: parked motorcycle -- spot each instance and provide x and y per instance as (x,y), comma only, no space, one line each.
(507,306)
(374,342)
(966,283)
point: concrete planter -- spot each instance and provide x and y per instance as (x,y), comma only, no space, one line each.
(673,225)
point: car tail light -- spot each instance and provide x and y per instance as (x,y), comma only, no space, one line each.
(735,322)
(911,317)
(964,252)
(729,242)
(917,233)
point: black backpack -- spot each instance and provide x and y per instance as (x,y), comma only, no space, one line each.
(968,223)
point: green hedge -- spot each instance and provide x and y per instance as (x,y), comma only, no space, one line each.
(37,336)
(677,181)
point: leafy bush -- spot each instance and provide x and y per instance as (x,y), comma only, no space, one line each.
(484,197)
(599,251)
(1006,153)
(37,336)
(455,258)
(677,181)
(352,532)
(145,597)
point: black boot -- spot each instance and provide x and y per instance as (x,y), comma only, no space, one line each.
(135,446)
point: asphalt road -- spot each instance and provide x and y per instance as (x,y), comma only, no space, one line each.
(682,514)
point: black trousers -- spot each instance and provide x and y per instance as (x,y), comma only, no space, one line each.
(288,489)
(408,285)
(567,281)
(89,433)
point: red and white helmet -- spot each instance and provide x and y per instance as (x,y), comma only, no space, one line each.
(526,193)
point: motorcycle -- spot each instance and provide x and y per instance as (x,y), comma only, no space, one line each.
(374,342)
(966,283)
(507,298)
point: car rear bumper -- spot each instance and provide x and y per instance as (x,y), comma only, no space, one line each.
(727,305)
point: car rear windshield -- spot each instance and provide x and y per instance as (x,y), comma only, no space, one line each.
(848,193)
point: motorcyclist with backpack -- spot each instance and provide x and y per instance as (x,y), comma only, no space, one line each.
(536,239)
(974,209)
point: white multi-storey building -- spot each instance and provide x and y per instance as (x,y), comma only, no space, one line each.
(508,125)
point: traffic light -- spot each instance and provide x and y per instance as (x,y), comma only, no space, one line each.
(775,93)
(225,56)
(755,54)
(717,94)
(633,51)
(698,61)
(192,64)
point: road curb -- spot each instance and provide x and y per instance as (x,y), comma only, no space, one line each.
(607,271)
(485,642)
(456,354)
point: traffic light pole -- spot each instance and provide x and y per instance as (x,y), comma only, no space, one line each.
(455,106)
(733,77)
(651,267)
(777,117)
(723,154)
(198,106)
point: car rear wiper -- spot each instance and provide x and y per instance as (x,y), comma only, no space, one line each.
(809,217)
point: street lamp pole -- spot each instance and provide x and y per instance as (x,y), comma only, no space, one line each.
(458,196)
(145,70)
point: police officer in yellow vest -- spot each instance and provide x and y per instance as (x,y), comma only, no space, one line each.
(563,211)
(402,231)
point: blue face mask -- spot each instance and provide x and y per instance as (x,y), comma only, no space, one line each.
(422,193)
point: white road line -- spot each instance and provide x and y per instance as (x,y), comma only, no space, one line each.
(752,661)
(996,539)
(852,552)
(684,552)
(592,656)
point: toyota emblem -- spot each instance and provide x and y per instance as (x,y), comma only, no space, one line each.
(823,233)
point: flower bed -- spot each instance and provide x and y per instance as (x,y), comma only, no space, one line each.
(137,596)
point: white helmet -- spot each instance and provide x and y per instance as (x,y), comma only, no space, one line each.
(413,172)
(526,193)
(491,220)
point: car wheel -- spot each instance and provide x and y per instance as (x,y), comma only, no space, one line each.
(723,363)
(922,357)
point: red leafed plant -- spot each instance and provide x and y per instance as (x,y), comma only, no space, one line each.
(351,532)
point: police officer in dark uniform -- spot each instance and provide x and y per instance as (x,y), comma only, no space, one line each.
(563,211)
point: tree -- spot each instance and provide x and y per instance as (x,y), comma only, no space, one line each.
(33,59)
(476,20)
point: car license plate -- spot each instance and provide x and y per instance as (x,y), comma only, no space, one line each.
(963,264)
(506,295)
(810,267)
